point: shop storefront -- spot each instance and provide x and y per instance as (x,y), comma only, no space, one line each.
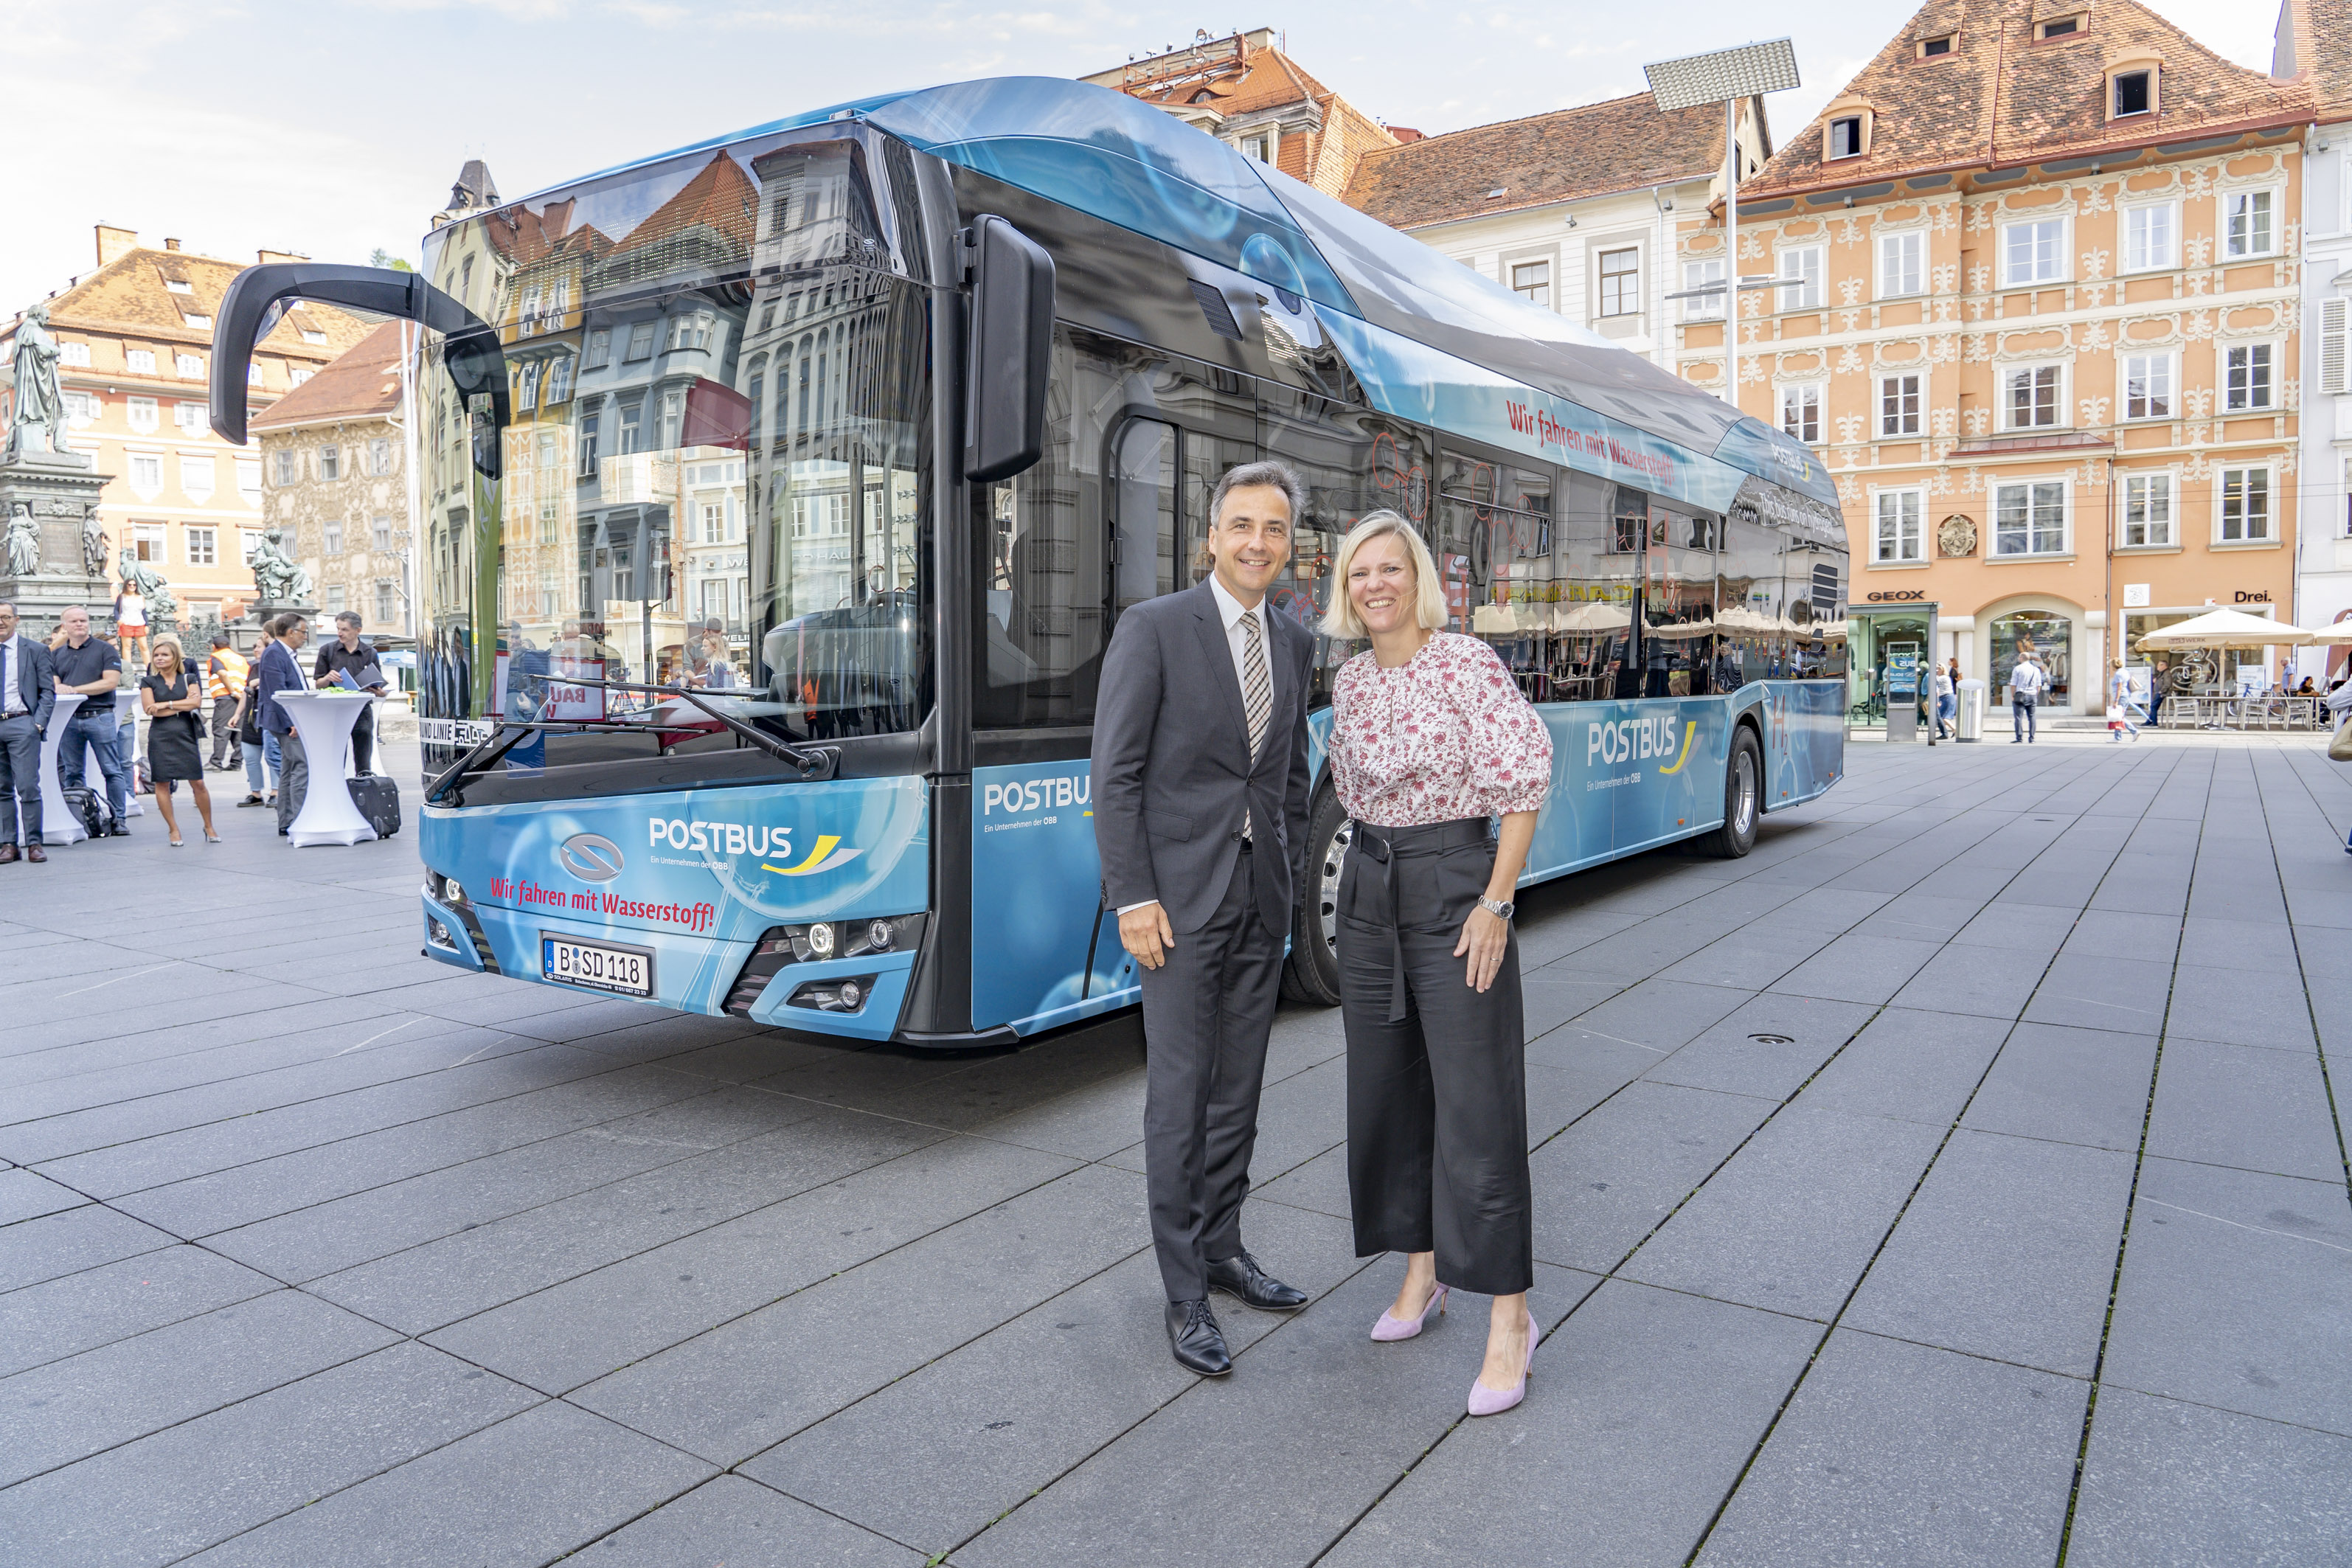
(1882,643)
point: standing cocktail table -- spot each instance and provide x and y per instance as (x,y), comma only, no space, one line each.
(323,719)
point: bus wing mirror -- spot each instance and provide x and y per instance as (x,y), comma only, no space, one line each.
(1012,348)
(259,296)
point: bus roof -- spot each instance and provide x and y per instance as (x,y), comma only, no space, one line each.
(1441,344)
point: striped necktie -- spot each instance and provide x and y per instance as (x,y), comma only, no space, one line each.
(1257,690)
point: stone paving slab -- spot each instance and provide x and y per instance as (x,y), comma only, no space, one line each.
(1838,1150)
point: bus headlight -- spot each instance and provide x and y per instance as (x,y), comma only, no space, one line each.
(879,937)
(820,939)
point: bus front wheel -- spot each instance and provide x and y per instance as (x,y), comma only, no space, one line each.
(1743,797)
(1312,974)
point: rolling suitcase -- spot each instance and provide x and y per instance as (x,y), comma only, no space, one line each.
(378,799)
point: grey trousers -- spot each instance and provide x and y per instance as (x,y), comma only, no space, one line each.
(1206,1014)
(293,778)
(224,732)
(20,779)
(1437,1079)
(2021,717)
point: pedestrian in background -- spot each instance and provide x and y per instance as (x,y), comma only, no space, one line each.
(174,733)
(90,667)
(27,697)
(2119,702)
(1944,703)
(261,776)
(348,652)
(2159,679)
(2026,683)
(281,670)
(224,671)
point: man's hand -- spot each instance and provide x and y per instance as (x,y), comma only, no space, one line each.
(1144,932)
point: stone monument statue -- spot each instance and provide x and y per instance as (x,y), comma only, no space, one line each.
(93,543)
(40,422)
(276,578)
(162,609)
(24,541)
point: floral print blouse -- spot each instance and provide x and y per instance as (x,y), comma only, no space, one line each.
(1444,736)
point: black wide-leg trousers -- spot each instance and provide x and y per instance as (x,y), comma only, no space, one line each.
(1206,1014)
(1438,1083)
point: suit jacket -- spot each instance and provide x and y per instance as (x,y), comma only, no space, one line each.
(278,673)
(34,685)
(1172,771)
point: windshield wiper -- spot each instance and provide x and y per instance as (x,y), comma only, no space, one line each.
(811,763)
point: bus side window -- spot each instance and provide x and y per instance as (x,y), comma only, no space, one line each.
(1146,520)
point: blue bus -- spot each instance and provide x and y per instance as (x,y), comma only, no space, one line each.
(780,495)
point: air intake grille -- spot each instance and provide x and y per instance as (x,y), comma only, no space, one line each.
(1220,314)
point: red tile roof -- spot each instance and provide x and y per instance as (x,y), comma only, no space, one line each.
(2004,96)
(361,383)
(1623,143)
(2317,36)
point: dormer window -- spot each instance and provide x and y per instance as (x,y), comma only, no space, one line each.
(2063,27)
(1929,48)
(1205,96)
(1845,137)
(2135,92)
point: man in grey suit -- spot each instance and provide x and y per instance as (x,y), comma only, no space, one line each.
(1200,785)
(27,697)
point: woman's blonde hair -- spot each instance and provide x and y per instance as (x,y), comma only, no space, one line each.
(1429,604)
(179,654)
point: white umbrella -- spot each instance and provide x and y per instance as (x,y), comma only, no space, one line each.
(1741,621)
(1591,616)
(1673,631)
(2231,628)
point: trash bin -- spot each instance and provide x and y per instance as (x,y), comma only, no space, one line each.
(1972,710)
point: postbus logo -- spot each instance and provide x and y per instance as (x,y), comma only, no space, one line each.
(755,840)
(591,856)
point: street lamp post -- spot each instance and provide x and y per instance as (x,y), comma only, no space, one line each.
(1726,77)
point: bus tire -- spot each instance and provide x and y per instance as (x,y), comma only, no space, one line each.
(1311,974)
(1743,796)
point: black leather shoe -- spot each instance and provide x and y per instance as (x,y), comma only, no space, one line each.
(1240,1276)
(1198,1343)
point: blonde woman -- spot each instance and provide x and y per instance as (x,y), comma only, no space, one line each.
(173,750)
(1431,740)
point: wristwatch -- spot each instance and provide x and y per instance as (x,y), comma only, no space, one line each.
(1502,909)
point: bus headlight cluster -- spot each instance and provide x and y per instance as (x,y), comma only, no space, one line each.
(820,939)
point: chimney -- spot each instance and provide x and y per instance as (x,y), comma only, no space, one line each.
(269,256)
(170,245)
(115,242)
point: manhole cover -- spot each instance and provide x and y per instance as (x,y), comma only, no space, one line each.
(1773,1039)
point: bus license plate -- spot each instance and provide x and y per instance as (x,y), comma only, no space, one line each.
(597,965)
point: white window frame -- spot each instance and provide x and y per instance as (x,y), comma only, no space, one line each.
(2149,495)
(2269,490)
(1799,269)
(2265,201)
(2034,276)
(198,477)
(189,416)
(285,467)
(1897,539)
(1699,275)
(139,362)
(188,367)
(143,414)
(2058,420)
(203,546)
(1799,393)
(331,536)
(2331,343)
(2271,359)
(2033,492)
(2146,257)
(2163,405)
(1898,421)
(73,353)
(152,543)
(1895,280)
(146,473)
(248,479)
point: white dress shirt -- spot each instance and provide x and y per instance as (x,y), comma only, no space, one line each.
(1231,610)
(14,702)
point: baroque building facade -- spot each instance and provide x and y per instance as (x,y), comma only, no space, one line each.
(135,341)
(2036,302)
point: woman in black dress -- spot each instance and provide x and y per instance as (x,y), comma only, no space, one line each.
(173,748)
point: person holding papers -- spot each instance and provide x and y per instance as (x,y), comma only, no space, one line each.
(281,670)
(348,653)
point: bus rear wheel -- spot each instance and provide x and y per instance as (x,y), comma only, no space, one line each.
(1743,797)
(1312,974)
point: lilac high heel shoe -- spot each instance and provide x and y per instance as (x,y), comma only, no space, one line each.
(1392,1328)
(1486,1400)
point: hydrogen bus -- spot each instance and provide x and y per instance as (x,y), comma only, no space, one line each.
(780,494)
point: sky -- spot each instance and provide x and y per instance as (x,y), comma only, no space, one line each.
(334,129)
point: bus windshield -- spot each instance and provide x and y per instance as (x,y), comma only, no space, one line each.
(713,473)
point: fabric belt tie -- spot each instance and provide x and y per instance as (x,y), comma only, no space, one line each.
(1384,846)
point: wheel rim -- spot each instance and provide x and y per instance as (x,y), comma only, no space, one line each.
(1327,892)
(1743,813)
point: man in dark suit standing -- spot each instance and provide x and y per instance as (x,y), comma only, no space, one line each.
(27,697)
(281,670)
(1200,784)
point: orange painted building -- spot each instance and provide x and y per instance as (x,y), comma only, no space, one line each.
(2036,302)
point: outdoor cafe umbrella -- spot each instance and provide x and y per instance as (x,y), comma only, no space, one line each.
(2231,628)
(1591,616)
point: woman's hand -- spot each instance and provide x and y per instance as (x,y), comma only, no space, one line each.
(1485,937)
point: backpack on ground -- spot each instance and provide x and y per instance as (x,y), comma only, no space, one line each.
(378,800)
(84,804)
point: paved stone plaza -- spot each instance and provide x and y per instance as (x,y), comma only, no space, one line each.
(1955,1180)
